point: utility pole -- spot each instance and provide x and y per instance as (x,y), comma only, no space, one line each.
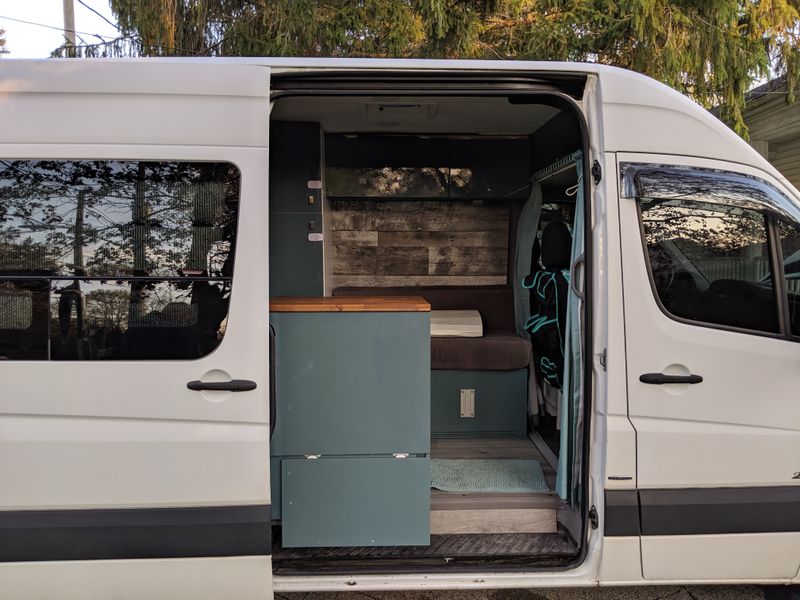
(69,26)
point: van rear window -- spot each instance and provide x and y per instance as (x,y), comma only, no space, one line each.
(115,260)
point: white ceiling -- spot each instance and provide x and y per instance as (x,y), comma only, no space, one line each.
(424,115)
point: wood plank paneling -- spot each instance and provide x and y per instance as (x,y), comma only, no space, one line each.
(380,243)
(503,520)
(467,261)
(401,281)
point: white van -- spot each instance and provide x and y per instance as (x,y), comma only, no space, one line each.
(312,324)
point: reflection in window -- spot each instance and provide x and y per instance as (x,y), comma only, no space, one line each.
(710,262)
(105,260)
(116,217)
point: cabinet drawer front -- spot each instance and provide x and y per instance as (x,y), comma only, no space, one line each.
(356,502)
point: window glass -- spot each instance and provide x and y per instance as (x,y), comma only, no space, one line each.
(790,246)
(710,262)
(103,260)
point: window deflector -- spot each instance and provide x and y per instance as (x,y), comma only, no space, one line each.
(705,185)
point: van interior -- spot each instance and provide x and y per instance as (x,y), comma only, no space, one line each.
(441,436)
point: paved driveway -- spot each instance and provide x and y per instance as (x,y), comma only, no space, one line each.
(642,593)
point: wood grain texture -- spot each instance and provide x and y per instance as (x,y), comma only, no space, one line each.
(501,520)
(350,304)
(418,242)
(406,281)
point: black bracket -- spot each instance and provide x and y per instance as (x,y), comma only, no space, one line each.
(597,172)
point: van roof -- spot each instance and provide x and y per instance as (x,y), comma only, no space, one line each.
(637,113)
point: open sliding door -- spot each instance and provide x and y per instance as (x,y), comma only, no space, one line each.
(134,418)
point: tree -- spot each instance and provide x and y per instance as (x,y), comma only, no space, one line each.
(3,49)
(712,51)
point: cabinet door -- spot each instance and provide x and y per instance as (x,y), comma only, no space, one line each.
(713,369)
(352,383)
(356,502)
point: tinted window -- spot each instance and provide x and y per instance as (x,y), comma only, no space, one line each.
(115,259)
(710,262)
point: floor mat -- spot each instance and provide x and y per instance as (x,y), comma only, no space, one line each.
(483,475)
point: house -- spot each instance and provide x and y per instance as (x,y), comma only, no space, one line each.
(775,127)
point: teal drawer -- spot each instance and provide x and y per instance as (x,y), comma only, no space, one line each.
(352,383)
(501,403)
(356,502)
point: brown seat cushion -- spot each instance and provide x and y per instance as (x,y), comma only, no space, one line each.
(500,348)
(493,352)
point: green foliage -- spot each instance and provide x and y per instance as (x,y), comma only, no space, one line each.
(712,50)
(3,49)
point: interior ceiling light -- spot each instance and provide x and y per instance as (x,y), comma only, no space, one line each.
(395,112)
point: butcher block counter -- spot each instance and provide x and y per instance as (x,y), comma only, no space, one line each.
(353,393)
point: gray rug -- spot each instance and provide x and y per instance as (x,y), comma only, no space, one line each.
(485,475)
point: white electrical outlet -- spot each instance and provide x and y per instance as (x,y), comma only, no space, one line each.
(467,403)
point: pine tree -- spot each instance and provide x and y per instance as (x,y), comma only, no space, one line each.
(712,50)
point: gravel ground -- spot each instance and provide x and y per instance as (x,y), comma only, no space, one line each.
(633,593)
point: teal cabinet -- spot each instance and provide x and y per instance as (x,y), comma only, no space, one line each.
(295,210)
(501,403)
(352,428)
(352,383)
(295,261)
(356,502)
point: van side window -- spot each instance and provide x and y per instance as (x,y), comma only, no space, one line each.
(789,235)
(710,262)
(115,260)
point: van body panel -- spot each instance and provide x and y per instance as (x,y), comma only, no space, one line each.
(135,102)
(242,577)
(725,448)
(112,448)
(728,558)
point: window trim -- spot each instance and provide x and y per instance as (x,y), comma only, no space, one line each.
(779,335)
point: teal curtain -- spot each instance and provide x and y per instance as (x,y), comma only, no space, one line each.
(571,409)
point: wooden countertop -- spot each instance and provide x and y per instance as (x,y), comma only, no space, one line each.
(350,304)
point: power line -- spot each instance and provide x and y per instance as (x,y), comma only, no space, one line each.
(97,35)
(114,25)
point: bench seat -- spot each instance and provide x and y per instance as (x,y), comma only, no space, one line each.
(499,349)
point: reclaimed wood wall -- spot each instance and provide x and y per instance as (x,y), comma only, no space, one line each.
(384,243)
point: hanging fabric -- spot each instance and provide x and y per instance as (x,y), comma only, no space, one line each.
(571,411)
(527,227)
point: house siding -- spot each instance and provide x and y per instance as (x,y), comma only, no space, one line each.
(774,128)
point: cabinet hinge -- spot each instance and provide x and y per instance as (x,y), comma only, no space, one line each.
(597,172)
(594,519)
(603,358)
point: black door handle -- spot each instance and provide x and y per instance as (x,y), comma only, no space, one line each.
(234,385)
(661,378)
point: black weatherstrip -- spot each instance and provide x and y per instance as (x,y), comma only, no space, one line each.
(622,513)
(40,535)
(720,510)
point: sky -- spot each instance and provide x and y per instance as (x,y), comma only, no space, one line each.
(34,41)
